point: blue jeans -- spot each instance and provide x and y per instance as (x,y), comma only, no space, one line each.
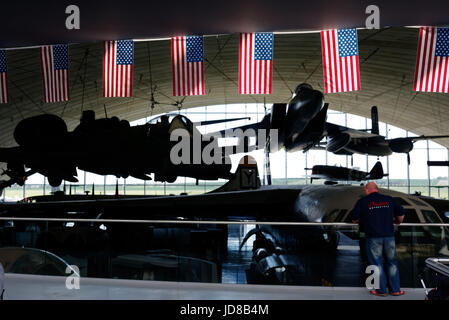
(376,248)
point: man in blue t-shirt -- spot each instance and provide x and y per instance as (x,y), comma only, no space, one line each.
(377,213)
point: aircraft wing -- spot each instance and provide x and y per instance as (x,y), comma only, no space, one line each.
(261,204)
(427,137)
(331,129)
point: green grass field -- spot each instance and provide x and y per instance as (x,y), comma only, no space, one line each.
(16,193)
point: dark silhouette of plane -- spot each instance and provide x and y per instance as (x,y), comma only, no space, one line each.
(334,173)
(107,146)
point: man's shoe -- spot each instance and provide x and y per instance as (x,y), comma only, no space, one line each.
(399,293)
(374,292)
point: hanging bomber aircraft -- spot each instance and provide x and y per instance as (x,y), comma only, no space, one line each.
(107,146)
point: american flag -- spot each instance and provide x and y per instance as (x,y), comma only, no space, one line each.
(187,55)
(4,97)
(118,68)
(55,72)
(256,63)
(431,73)
(340,60)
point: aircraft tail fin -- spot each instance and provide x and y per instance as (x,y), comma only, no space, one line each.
(374,120)
(377,172)
(246,177)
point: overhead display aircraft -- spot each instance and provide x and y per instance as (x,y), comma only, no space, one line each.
(334,173)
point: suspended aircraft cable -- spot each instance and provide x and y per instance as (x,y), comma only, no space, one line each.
(75,79)
(26,95)
(409,102)
(152,88)
(17,107)
(105,112)
(84,82)
(228,78)
(313,71)
(370,55)
(397,98)
(220,49)
(282,78)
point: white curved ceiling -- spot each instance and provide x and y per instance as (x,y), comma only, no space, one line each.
(387,64)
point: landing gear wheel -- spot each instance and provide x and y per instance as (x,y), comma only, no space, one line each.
(55,181)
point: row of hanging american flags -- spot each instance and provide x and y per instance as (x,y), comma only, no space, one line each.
(340,56)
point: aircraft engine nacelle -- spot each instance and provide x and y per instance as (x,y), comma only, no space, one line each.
(45,129)
(401,145)
(338,142)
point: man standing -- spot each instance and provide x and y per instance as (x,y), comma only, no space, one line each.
(377,213)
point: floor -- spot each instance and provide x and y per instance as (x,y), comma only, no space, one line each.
(32,287)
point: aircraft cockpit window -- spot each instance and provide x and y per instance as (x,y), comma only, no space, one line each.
(180,123)
(418,202)
(342,215)
(411,216)
(332,216)
(348,218)
(401,201)
(430,216)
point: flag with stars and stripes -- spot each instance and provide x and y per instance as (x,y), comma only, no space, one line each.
(187,55)
(340,60)
(431,73)
(118,58)
(256,63)
(55,72)
(4,96)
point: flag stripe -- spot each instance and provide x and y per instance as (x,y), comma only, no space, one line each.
(118,72)
(255,72)
(431,71)
(55,81)
(340,68)
(188,76)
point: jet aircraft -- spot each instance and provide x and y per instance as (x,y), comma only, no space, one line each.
(302,125)
(334,173)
